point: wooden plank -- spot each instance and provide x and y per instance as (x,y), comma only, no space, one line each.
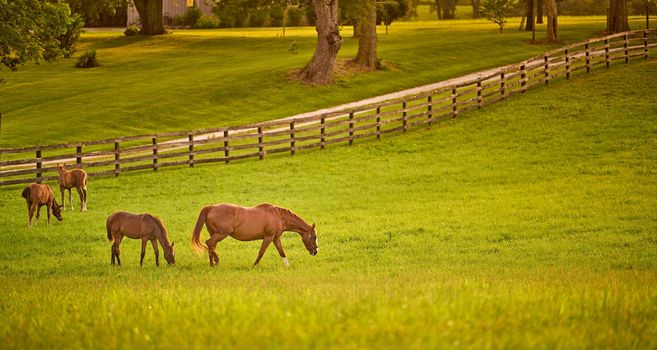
(226,147)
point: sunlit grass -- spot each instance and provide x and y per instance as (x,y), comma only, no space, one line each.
(529,224)
(193,79)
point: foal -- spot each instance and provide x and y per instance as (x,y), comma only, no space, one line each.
(139,226)
(75,178)
(266,222)
(36,196)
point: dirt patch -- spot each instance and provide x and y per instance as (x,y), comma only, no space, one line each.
(345,68)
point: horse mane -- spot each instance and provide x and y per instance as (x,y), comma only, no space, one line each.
(165,234)
(287,212)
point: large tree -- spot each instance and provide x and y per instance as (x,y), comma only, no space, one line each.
(367,41)
(530,16)
(446,9)
(539,11)
(150,16)
(30,30)
(320,68)
(617,21)
(475,8)
(551,9)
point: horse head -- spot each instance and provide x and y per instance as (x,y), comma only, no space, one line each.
(170,255)
(310,240)
(57,211)
(60,168)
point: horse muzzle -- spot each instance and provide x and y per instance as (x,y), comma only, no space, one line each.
(314,252)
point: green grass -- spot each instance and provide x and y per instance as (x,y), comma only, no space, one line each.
(529,224)
(196,79)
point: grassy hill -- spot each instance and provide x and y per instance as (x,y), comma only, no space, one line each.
(530,223)
(194,79)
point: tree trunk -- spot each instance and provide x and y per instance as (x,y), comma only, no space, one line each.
(475,8)
(150,16)
(617,17)
(539,11)
(438,9)
(551,9)
(367,41)
(356,28)
(449,9)
(320,68)
(530,16)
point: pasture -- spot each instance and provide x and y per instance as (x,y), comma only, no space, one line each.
(194,79)
(528,224)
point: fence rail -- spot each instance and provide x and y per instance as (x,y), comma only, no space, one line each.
(114,156)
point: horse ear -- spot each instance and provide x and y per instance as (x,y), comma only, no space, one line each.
(313,225)
(172,242)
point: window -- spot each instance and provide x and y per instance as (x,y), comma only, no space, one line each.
(190,3)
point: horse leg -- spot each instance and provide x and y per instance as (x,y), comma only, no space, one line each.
(157,252)
(115,249)
(212,244)
(63,203)
(265,244)
(30,214)
(70,200)
(143,252)
(81,198)
(84,191)
(281,252)
(38,213)
(48,208)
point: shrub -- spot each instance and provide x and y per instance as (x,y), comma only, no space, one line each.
(87,60)
(69,39)
(294,16)
(207,22)
(258,18)
(192,16)
(131,30)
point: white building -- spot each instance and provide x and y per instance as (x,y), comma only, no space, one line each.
(171,9)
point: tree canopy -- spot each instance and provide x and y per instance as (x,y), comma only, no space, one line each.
(30,30)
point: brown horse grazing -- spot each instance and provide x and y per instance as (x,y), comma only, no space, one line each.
(139,226)
(75,178)
(266,222)
(36,196)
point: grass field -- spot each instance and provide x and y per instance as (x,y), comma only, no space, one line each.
(529,224)
(196,79)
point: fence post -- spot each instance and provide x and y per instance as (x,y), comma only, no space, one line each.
(190,138)
(322,131)
(627,57)
(378,123)
(38,165)
(479,97)
(351,128)
(588,58)
(155,153)
(607,51)
(546,59)
(454,111)
(78,151)
(429,110)
(404,114)
(645,44)
(117,158)
(226,148)
(261,148)
(567,61)
(523,79)
(502,87)
(292,139)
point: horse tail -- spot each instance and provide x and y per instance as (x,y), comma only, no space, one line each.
(26,192)
(196,243)
(83,180)
(109,230)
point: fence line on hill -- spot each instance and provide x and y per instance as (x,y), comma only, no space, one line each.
(112,157)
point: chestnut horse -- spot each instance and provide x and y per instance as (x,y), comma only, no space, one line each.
(75,178)
(139,226)
(266,222)
(36,196)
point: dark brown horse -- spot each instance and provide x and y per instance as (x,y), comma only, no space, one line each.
(75,178)
(36,196)
(139,226)
(266,222)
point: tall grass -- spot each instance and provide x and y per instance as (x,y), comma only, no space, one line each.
(528,224)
